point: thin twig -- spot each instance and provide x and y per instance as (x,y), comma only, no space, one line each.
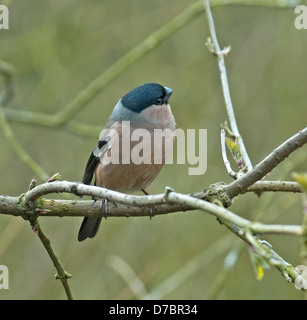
(265,251)
(225,86)
(224,155)
(275,186)
(224,214)
(61,273)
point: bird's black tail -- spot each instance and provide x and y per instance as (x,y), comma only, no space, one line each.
(89,228)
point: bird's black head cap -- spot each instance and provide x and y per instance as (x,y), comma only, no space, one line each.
(145,96)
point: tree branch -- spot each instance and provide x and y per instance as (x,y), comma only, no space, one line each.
(61,273)
(30,206)
(216,50)
(267,165)
(224,214)
(275,186)
(265,251)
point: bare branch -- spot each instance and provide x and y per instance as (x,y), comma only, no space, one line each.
(268,164)
(30,209)
(81,189)
(223,214)
(62,274)
(225,86)
(275,186)
(265,251)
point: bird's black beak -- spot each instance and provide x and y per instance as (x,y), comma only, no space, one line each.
(168,93)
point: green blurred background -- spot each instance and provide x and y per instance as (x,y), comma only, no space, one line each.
(57,48)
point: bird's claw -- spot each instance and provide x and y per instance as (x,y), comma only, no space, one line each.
(104,204)
(152,212)
(93,203)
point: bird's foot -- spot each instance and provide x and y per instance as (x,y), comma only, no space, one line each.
(151,209)
(104,207)
(94,201)
(151,212)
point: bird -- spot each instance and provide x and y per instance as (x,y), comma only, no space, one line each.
(144,109)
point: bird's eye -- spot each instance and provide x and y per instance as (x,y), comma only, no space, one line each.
(159,101)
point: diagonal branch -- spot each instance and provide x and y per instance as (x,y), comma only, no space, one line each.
(267,165)
(62,275)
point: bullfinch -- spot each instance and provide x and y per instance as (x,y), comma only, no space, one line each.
(128,157)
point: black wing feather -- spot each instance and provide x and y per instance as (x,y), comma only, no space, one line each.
(92,163)
(89,226)
(90,169)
